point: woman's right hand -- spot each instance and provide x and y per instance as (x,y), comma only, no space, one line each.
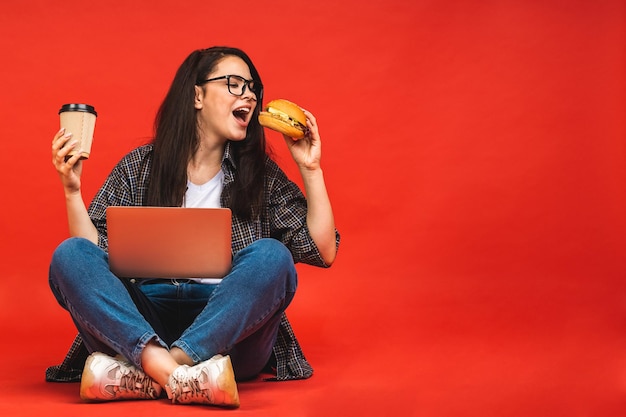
(69,170)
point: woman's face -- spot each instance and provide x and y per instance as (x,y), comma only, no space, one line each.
(221,115)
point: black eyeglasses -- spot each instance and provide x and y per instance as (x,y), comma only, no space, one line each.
(237,85)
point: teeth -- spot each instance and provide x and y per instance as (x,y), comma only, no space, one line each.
(243,110)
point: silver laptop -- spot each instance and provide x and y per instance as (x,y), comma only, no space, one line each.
(169,242)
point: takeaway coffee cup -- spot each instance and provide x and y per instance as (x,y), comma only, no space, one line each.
(80,120)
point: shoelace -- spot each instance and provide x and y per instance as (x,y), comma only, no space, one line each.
(188,388)
(136,382)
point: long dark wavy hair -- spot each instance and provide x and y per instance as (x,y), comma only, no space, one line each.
(176,139)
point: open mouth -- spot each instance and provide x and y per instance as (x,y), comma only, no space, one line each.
(242,114)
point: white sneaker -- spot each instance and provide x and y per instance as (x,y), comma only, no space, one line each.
(109,379)
(209,382)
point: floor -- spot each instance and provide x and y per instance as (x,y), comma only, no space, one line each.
(516,347)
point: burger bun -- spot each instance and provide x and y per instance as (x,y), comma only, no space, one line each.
(285,117)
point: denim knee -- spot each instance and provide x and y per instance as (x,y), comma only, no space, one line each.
(74,259)
(270,259)
(68,250)
(273,251)
(61,256)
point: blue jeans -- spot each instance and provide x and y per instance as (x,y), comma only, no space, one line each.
(239,316)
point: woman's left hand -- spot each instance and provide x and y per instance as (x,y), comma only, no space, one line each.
(307,151)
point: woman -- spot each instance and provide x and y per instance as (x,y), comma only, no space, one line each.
(208,151)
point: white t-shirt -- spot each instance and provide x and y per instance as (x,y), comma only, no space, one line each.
(206,195)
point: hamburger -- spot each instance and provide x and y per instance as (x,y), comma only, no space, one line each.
(285,117)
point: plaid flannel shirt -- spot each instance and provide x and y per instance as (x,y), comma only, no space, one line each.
(282,218)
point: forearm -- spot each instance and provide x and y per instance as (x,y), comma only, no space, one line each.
(320,219)
(80,224)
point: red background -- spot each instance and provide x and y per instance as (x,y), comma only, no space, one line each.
(475,157)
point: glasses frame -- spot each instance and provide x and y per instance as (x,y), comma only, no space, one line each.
(246,84)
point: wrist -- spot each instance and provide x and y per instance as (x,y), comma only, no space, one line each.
(73,195)
(311,172)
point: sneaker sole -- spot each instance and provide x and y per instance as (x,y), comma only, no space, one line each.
(227,385)
(87,381)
